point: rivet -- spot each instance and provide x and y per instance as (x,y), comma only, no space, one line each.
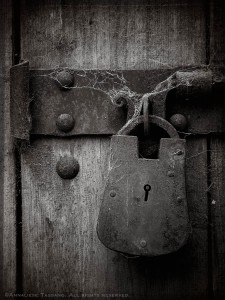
(170,173)
(112,193)
(65,122)
(67,167)
(143,243)
(179,121)
(179,152)
(65,78)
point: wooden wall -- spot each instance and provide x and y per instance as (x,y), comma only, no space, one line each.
(60,250)
(7,200)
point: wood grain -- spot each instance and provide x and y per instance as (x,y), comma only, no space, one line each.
(7,168)
(217,191)
(217,33)
(61,249)
(120,35)
(59,217)
(2,71)
(217,158)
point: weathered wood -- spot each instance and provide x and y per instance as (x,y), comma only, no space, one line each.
(61,250)
(2,56)
(217,33)
(19,101)
(120,35)
(7,164)
(217,158)
(217,192)
(59,217)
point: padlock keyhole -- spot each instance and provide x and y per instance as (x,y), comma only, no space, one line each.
(147,189)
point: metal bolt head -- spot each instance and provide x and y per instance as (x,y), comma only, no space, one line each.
(112,194)
(65,122)
(67,167)
(179,121)
(65,78)
(143,243)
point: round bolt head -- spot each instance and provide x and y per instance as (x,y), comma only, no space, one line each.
(143,243)
(67,167)
(65,122)
(65,78)
(179,121)
(112,193)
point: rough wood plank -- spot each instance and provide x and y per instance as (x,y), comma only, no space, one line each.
(61,252)
(123,34)
(19,101)
(2,71)
(59,217)
(217,147)
(217,32)
(217,192)
(8,192)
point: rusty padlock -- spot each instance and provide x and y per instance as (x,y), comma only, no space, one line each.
(144,209)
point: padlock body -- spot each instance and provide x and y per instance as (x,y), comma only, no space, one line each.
(144,207)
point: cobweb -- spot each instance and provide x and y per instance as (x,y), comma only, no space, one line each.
(115,85)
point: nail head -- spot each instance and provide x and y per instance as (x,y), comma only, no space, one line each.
(65,122)
(65,78)
(179,121)
(67,167)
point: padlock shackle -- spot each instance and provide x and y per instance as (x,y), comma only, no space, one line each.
(158,121)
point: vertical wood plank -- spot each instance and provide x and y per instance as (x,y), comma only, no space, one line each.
(217,191)
(59,217)
(217,32)
(120,35)
(2,55)
(8,171)
(61,249)
(217,155)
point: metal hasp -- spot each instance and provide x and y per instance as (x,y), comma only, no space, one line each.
(61,110)
(193,100)
(144,209)
(66,102)
(19,104)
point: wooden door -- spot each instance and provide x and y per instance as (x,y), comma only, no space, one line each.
(50,241)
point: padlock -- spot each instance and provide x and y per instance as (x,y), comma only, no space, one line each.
(144,207)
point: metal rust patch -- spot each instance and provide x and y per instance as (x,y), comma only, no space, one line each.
(101,101)
(20,102)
